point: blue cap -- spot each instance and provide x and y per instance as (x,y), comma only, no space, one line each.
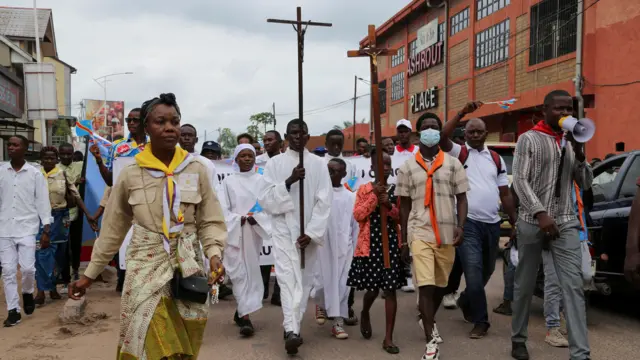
(320,149)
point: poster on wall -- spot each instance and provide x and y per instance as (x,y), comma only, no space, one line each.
(109,126)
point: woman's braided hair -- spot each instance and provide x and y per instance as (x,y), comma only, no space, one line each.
(168,99)
(47,149)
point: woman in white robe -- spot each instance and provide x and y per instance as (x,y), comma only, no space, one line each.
(247,226)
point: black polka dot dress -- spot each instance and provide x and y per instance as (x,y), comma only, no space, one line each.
(369,273)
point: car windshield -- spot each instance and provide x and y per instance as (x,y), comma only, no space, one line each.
(507,155)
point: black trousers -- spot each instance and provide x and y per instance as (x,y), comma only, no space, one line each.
(265,270)
(75,243)
(352,297)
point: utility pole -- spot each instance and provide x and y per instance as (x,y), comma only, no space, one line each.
(274,116)
(355,97)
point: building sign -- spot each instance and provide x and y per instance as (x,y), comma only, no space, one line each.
(427,35)
(9,94)
(425,100)
(426,58)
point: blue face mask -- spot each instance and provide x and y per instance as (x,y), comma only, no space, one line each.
(430,137)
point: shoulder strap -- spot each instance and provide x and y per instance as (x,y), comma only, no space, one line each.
(496,160)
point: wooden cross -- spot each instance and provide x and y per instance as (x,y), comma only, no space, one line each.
(373,51)
(301,28)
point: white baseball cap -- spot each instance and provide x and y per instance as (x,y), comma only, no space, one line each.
(404,122)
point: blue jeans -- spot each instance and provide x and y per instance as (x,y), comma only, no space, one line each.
(478,254)
(45,266)
(509,276)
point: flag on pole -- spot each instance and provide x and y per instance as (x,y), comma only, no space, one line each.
(505,104)
(103,144)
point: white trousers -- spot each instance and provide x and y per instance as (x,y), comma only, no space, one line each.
(14,251)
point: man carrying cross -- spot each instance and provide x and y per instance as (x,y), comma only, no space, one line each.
(280,198)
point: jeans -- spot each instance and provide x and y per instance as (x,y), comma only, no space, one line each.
(478,254)
(75,243)
(45,266)
(62,262)
(509,276)
(567,258)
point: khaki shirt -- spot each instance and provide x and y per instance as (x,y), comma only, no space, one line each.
(57,190)
(448,181)
(137,197)
(105,196)
(73,171)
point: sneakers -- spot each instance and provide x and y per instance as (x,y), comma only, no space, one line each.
(28,304)
(479,331)
(409,287)
(352,320)
(449,300)
(338,332)
(435,334)
(13,319)
(292,343)
(64,290)
(555,338)
(519,351)
(504,308)
(321,315)
(432,351)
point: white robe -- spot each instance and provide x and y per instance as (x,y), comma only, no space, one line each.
(334,257)
(284,206)
(242,251)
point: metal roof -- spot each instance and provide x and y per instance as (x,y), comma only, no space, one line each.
(18,22)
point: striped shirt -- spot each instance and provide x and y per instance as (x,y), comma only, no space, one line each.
(535,170)
(448,181)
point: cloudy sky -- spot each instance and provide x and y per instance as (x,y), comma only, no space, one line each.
(221,58)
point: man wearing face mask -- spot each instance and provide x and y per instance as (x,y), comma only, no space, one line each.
(488,186)
(431,228)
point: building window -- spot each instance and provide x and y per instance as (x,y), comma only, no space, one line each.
(492,45)
(398,58)
(488,7)
(413,46)
(553,29)
(397,86)
(382,86)
(459,21)
(441,32)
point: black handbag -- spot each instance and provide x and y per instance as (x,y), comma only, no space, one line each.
(193,288)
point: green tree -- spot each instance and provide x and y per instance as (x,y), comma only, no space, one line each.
(61,128)
(262,120)
(254,130)
(345,124)
(227,141)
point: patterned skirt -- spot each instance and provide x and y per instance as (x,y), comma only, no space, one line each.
(153,325)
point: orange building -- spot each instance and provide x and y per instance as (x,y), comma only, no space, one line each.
(494,50)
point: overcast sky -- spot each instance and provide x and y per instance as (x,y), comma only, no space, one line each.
(221,58)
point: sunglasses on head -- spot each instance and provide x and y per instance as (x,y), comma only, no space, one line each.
(130,120)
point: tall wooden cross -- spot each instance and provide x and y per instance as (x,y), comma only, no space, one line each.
(373,51)
(301,28)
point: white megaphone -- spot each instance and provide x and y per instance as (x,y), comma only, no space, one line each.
(582,130)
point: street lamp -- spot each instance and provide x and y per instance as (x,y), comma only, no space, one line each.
(104,79)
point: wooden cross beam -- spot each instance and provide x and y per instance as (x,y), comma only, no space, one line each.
(373,51)
(301,28)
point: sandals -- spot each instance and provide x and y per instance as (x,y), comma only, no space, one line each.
(365,326)
(391,349)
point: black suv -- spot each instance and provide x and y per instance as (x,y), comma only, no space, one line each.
(614,187)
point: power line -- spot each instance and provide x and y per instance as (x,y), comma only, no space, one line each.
(323,108)
(613,85)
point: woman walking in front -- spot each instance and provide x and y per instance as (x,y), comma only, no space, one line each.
(169,199)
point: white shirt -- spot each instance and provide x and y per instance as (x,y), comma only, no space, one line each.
(261,160)
(24,201)
(399,157)
(213,174)
(483,195)
(351,169)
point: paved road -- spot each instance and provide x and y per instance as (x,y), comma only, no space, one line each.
(613,335)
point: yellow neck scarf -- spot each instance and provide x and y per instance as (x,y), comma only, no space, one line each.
(47,175)
(171,201)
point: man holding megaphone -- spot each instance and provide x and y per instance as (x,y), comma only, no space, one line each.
(548,159)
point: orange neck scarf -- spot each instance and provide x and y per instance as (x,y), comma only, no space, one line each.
(429,193)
